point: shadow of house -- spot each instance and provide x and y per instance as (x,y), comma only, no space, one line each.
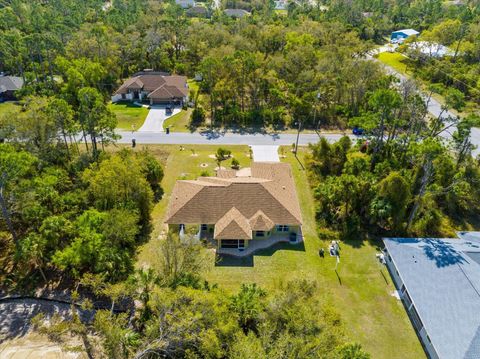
(225,260)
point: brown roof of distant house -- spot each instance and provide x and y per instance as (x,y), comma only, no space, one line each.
(159,85)
(266,198)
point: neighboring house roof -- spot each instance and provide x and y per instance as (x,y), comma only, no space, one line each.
(408,32)
(442,277)
(431,49)
(260,198)
(158,85)
(185,3)
(197,11)
(10,83)
(236,12)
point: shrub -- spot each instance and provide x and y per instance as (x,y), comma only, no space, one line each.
(235,164)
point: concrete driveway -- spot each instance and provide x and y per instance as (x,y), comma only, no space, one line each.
(155,118)
(265,153)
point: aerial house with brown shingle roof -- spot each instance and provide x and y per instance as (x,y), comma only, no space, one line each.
(153,87)
(243,210)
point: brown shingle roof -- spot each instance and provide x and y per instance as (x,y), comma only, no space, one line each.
(165,86)
(233,225)
(267,198)
(260,222)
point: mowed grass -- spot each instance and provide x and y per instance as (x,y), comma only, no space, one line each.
(179,122)
(9,107)
(360,289)
(395,60)
(129,116)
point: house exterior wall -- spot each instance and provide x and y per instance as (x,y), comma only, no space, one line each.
(116,98)
(8,95)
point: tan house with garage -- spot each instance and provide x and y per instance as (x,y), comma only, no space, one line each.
(153,87)
(251,208)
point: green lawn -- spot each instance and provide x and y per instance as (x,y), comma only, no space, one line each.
(7,107)
(179,122)
(360,289)
(395,60)
(128,115)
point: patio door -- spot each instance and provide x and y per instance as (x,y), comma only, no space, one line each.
(232,243)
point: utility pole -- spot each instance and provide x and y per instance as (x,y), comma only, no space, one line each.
(315,113)
(298,135)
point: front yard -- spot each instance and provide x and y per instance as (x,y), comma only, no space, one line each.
(179,122)
(360,289)
(129,116)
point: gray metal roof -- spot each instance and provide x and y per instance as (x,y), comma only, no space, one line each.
(10,83)
(443,281)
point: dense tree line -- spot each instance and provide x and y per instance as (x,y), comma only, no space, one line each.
(266,69)
(404,179)
(455,73)
(69,217)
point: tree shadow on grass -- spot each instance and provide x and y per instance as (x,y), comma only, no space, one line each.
(372,240)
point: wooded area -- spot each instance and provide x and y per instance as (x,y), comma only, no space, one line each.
(74,211)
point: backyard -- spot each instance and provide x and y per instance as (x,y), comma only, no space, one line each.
(360,288)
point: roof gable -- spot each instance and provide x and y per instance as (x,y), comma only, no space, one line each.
(260,222)
(275,198)
(233,225)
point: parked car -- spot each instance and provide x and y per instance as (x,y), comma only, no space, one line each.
(357,131)
(168,110)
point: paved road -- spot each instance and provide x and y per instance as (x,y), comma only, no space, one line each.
(434,107)
(221,138)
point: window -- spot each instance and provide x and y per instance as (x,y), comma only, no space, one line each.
(259,234)
(204,227)
(282,228)
(407,299)
(417,323)
(229,243)
(232,243)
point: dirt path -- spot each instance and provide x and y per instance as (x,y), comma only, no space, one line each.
(34,346)
(16,315)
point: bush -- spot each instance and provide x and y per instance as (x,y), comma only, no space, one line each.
(235,164)
(222,154)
